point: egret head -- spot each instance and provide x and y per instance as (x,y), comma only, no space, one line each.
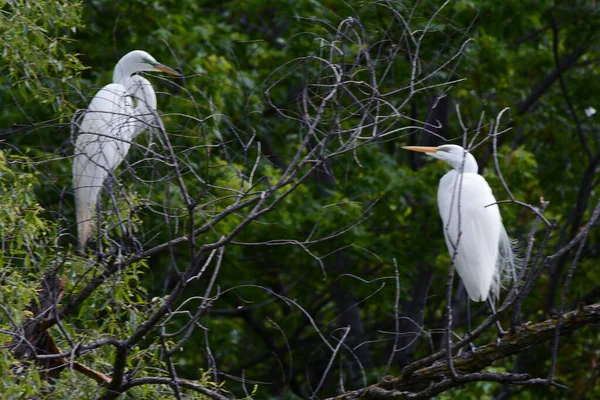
(137,61)
(456,156)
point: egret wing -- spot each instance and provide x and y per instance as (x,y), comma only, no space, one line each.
(472,227)
(104,139)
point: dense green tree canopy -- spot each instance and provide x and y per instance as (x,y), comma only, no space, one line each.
(271,238)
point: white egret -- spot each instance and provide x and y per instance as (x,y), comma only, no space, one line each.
(117,114)
(473,229)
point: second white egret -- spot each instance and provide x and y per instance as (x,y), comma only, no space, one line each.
(473,229)
(117,114)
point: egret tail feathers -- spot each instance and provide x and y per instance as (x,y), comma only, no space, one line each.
(508,265)
(84,225)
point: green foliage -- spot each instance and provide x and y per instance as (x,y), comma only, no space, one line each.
(34,54)
(25,237)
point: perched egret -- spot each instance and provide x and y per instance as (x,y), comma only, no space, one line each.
(475,236)
(117,114)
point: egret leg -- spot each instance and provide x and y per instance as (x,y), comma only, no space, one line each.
(127,240)
(471,345)
(468,316)
(109,184)
(99,225)
(501,332)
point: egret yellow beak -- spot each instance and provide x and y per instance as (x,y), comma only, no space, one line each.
(164,68)
(421,149)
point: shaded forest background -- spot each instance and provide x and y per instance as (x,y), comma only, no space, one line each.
(343,278)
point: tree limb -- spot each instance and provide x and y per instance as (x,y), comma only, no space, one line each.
(435,379)
(34,341)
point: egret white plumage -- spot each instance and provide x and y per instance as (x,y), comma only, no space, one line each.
(473,229)
(117,114)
